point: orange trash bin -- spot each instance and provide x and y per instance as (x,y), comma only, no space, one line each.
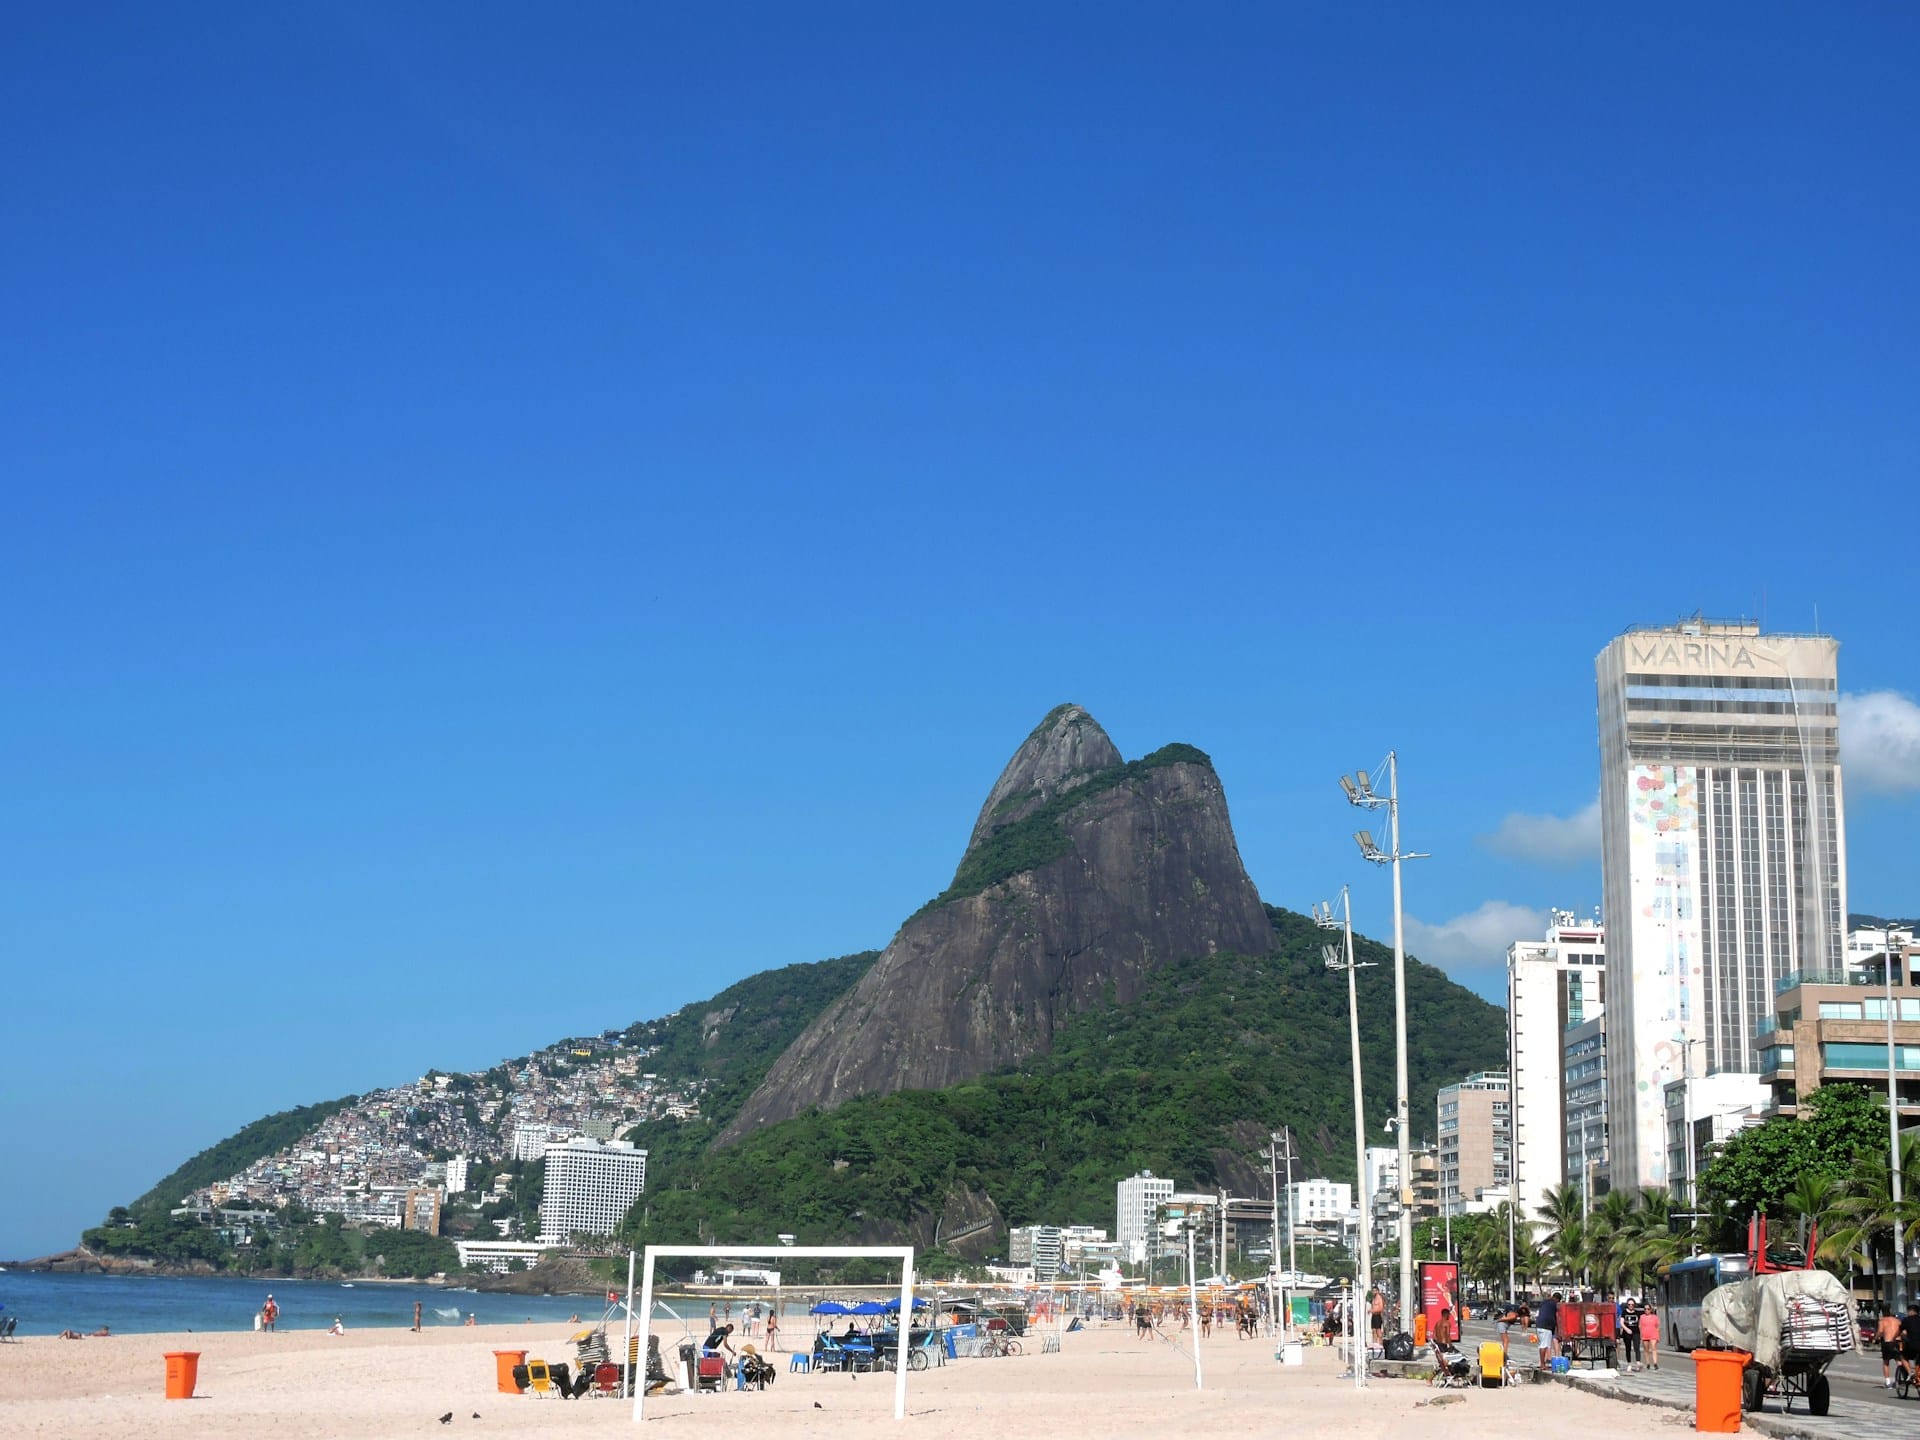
(1716,1389)
(503,1363)
(183,1371)
(1419,1331)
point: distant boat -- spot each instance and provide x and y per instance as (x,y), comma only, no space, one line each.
(346,1284)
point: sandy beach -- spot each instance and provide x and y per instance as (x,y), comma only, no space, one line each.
(1103,1383)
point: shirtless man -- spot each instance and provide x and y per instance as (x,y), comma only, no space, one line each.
(1887,1332)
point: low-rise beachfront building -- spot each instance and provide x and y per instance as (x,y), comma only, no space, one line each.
(499,1255)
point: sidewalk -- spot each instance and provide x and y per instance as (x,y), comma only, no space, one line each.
(1671,1386)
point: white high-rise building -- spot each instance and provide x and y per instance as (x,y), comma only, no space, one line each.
(1724,856)
(590,1185)
(457,1175)
(1552,985)
(1138,1199)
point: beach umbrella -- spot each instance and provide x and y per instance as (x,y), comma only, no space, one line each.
(920,1302)
(868,1307)
(829,1307)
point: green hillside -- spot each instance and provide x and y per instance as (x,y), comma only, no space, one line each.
(1197,1069)
(263,1137)
(733,1039)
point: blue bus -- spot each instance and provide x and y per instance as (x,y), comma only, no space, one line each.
(1684,1285)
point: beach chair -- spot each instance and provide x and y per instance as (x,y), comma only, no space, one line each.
(606,1380)
(7,1327)
(540,1380)
(1450,1368)
(710,1372)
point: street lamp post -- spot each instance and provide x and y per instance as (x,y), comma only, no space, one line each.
(1273,1242)
(1360,792)
(1323,914)
(1893,1139)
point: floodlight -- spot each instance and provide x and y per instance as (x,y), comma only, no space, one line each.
(1366,786)
(1353,793)
(1364,839)
(1331,955)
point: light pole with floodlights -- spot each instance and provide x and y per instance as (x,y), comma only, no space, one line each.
(1323,916)
(1360,792)
(1893,1135)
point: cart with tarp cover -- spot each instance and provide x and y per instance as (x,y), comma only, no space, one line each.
(1793,1324)
(1588,1334)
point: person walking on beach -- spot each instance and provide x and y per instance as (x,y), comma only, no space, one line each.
(416,1316)
(269,1313)
(1142,1325)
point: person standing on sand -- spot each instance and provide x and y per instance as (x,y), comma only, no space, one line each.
(773,1327)
(269,1313)
(416,1315)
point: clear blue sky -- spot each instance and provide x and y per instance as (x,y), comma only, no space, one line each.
(513,518)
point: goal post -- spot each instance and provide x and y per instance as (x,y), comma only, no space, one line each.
(902,1253)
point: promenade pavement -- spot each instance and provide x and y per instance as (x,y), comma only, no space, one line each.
(1861,1408)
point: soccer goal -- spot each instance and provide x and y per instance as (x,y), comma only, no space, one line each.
(902,1253)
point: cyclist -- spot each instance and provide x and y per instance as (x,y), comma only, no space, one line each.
(1887,1332)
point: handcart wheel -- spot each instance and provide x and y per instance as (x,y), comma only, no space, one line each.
(1753,1388)
(1819,1394)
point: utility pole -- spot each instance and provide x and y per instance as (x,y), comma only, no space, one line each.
(1363,1238)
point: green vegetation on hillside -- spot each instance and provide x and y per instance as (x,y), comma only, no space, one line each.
(732,1040)
(1211,1056)
(232,1155)
(1036,839)
(307,1245)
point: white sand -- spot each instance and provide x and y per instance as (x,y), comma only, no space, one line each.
(381,1383)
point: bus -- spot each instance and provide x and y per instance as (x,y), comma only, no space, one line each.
(1684,1285)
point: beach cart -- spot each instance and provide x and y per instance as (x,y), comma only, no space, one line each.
(1588,1333)
(1794,1324)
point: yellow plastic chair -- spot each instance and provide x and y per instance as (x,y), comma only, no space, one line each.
(539,1379)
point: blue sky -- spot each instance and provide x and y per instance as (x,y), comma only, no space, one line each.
(512,520)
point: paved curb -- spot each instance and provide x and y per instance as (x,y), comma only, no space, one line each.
(1781,1427)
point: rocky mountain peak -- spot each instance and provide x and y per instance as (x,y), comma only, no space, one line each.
(1084,876)
(1064,750)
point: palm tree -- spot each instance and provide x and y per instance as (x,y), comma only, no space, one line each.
(1813,1198)
(1563,1236)
(1649,1241)
(1866,1214)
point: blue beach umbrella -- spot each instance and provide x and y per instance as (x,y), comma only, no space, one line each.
(868,1307)
(829,1307)
(920,1302)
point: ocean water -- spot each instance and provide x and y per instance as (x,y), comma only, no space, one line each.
(48,1304)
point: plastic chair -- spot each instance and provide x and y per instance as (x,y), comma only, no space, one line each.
(801,1362)
(606,1379)
(540,1379)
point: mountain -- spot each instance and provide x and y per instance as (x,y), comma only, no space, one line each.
(1186,1079)
(1083,876)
